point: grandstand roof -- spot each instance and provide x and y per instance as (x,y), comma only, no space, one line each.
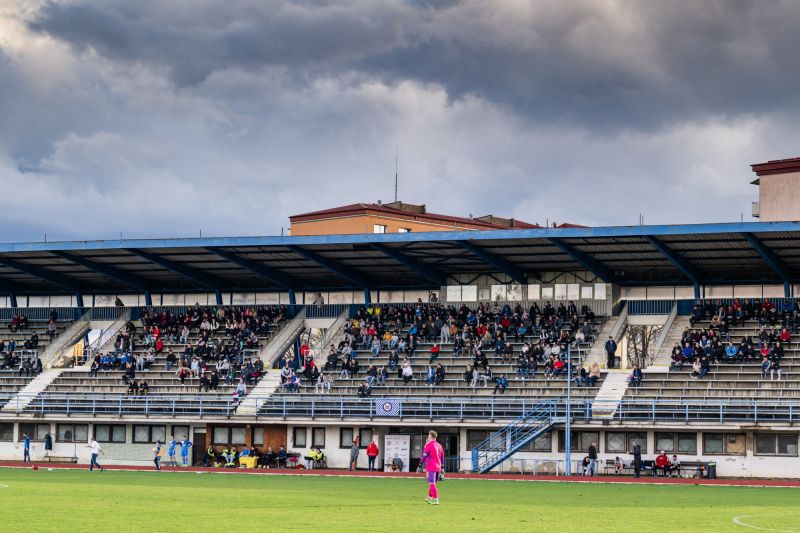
(729,253)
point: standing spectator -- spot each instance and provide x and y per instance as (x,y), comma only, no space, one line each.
(185,445)
(26,448)
(171,450)
(354,450)
(593,459)
(637,459)
(611,350)
(372,454)
(157,455)
(95,447)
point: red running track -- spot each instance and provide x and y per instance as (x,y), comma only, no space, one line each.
(364,473)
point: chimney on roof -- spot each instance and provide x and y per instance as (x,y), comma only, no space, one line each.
(410,208)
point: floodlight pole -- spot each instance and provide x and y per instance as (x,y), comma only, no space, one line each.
(567,429)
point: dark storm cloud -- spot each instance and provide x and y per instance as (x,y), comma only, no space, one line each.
(161,118)
(599,64)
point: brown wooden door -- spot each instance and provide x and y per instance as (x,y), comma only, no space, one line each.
(199,447)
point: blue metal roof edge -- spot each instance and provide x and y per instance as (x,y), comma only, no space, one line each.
(544,233)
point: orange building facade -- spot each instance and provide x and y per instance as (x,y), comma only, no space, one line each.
(396,217)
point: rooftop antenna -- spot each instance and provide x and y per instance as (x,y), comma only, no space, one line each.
(395,173)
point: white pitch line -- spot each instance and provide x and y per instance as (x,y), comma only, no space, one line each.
(739,522)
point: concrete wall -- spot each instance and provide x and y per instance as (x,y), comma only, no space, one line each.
(128,453)
(338,457)
(746,466)
(779,197)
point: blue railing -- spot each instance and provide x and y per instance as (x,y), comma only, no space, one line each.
(505,442)
(40,314)
(649,307)
(307,407)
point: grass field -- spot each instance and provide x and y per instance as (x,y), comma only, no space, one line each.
(77,500)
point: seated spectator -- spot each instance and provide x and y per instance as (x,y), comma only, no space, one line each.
(364,390)
(133,388)
(696,369)
(619,465)
(662,463)
(323,384)
(281,457)
(582,377)
(636,376)
(144,388)
(266,459)
(435,349)
(501,384)
(487,376)
(440,375)
(407,373)
(293,385)
(675,466)
(594,374)
(774,369)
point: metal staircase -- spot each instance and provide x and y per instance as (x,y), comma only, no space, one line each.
(506,442)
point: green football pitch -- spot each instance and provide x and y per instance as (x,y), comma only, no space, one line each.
(112,501)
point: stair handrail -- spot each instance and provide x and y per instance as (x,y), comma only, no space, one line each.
(52,356)
(622,321)
(663,334)
(281,342)
(330,334)
(110,332)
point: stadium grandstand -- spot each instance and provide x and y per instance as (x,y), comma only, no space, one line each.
(522,345)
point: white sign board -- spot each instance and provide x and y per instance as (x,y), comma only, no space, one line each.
(397,446)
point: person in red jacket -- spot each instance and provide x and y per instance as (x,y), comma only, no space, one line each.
(662,463)
(372,454)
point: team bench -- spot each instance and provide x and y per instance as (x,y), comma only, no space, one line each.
(61,459)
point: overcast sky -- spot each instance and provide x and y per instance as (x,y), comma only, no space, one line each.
(161,118)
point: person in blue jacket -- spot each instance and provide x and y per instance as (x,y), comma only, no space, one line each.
(171,451)
(185,445)
(26,448)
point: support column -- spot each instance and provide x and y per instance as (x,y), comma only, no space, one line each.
(12,299)
(696,291)
(148,299)
(292,297)
(787,289)
(79,300)
(367,298)
(218,295)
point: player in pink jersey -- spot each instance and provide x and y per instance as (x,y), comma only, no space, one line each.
(433,456)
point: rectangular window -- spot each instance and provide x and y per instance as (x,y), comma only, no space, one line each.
(674,442)
(258,436)
(723,443)
(238,436)
(622,441)
(345,437)
(774,444)
(580,440)
(318,437)
(6,432)
(109,433)
(35,431)
(364,437)
(542,443)
(475,437)
(403,230)
(141,434)
(72,433)
(221,436)
(299,438)
(179,431)
(378,228)
(158,433)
